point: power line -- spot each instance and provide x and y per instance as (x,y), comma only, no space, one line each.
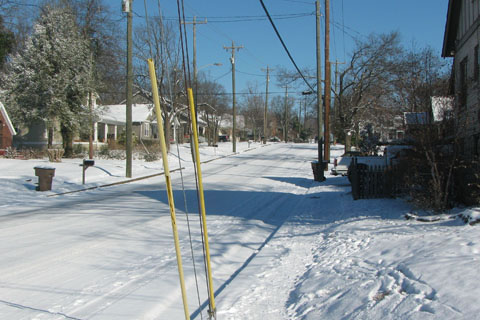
(284,46)
(251,74)
(332,19)
(230,19)
(249,93)
(297,1)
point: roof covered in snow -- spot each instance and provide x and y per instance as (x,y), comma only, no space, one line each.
(441,106)
(117,113)
(7,120)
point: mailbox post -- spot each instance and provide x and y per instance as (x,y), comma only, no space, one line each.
(85,165)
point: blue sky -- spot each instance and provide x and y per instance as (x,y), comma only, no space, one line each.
(420,23)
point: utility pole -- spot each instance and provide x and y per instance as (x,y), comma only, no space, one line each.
(327,83)
(232,60)
(304,112)
(285,131)
(128,129)
(319,176)
(335,102)
(194,24)
(300,116)
(266,106)
(92,126)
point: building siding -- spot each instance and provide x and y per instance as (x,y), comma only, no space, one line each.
(467,38)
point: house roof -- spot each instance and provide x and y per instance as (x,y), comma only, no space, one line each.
(227,121)
(7,119)
(412,118)
(117,114)
(451,28)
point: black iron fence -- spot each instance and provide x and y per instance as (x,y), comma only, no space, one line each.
(370,182)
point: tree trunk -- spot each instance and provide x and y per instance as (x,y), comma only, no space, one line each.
(67,140)
(348,142)
(50,138)
(168,133)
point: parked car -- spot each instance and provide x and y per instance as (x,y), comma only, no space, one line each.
(341,164)
(222,138)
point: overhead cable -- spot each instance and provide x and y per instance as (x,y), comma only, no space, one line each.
(284,46)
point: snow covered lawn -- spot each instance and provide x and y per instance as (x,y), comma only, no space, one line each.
(282,245)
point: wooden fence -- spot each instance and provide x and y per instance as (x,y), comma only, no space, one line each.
(370,182)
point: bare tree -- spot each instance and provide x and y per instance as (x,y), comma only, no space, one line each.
(281,110)
(365,84)
(253,105)
(419,75)
(212,103)
(158,41)
(432,166)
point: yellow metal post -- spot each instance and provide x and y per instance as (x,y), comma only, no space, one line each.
(202,201)
(156,100)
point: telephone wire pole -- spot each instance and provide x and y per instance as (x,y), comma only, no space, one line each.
(195,73)
(328,81)
(266,106)
(232,60)
(318,166)
(127,7)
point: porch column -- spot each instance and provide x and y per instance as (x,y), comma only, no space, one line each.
(95,132)
(115,132)
(174,131)
(105,129)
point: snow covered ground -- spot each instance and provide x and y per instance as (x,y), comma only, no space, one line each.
(282,245)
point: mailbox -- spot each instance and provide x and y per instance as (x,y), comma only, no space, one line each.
(85,165)
(88,163)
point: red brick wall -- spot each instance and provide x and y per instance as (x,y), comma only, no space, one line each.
(6,137)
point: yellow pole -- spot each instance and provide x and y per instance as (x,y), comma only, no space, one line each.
(156,100)
(202,201)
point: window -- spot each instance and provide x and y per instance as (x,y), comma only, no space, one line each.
(463,81)
(146,130)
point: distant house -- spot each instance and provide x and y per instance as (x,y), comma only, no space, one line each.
(393,131)
(226,125)
(461,42)
(112,122)
(7,131)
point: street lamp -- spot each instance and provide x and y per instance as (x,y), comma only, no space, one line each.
(217,64)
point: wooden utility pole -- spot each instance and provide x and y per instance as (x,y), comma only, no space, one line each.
(319,165)
(335,102)
(128,129)
(194,24)
(92,126)
(266,106)
(234,125)
(327,83)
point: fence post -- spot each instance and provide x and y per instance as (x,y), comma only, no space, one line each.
(354,179)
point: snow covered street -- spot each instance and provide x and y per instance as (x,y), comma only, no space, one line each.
(282,247)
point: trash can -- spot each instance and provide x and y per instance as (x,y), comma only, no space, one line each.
(318,168)
(45,176)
